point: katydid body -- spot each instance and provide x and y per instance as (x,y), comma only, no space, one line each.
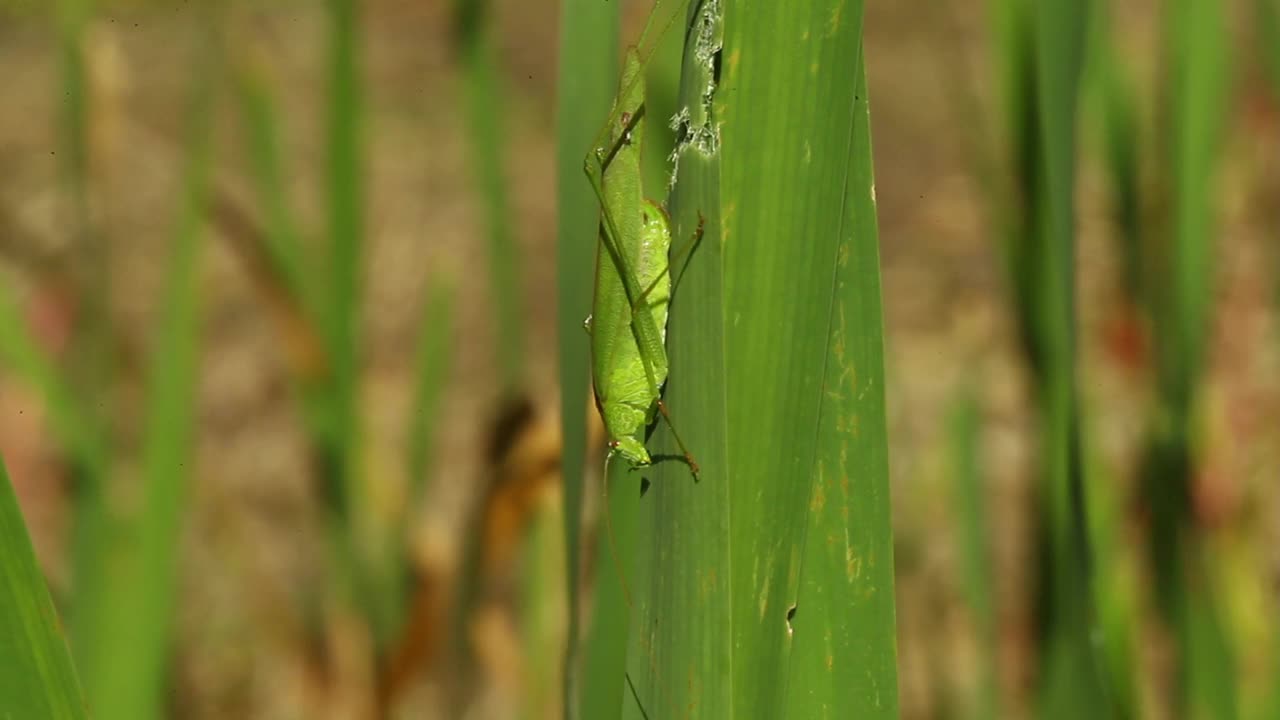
(633,280)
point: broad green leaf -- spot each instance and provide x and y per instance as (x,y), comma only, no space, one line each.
(765,589)
(38,680)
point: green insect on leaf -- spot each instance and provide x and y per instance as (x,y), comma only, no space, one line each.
(633,280)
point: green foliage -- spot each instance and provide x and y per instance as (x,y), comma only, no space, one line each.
(485,112)
(124,569)
(1267,24)
(1196,93)
(318,305)
(587,80)
(346,232)
(39,680)
(1110,86)
(1040,56)
(604,655)
(975,547)
(433,363)
(435,334)
(282,242)
(92,369)
(765,588)
(1166,273)
(131,667)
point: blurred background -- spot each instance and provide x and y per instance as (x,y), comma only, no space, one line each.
(278,348)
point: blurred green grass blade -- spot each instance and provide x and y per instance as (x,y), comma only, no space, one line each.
(78,435)
(1117,597)
(1018,181)
(604,654)
(346,227)
(22,355)
(435,333)
(587,78)
(1072,677)
(345,496)
(765,589)
(1198,95)
(1113,92)
(92,359)
(72,18)
(485,113)
(975,546)
(38,680)
(280,259)
(542,619)
(1210,663)
(1267,22)
(1273,699)
(283,247)
(91,368)
(132,666)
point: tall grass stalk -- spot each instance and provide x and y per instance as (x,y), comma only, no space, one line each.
(1040,48)
(365,581)
(92,370)
(1196,92)
(432,366)
(586,81)
(975,546)
(319,315)
(275,258)
(282,240)
(485,113)
(132,667)
(346,229)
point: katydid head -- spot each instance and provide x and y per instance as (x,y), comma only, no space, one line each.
(631,449)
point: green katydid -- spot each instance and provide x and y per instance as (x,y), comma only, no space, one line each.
(633,278)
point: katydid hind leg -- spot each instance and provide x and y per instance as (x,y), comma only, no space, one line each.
(681,257)
(688,458)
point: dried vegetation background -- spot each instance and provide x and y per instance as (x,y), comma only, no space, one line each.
(252,542)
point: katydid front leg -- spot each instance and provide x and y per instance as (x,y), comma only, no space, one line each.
(633,281)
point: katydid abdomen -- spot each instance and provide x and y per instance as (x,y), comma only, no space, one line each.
(624,385)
